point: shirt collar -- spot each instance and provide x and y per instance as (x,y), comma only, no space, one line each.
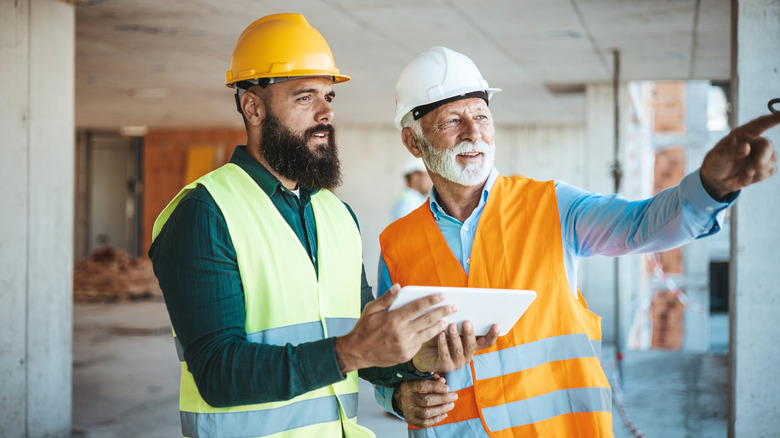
(437,210)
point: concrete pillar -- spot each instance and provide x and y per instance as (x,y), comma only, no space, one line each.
(754,298)
(696,255)
(36,227)
(597,274)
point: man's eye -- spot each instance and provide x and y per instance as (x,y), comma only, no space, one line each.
(304,98)
(329,98)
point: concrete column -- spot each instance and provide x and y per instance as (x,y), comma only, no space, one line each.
(755,293)
(36,227)
(597,274)
(696,256)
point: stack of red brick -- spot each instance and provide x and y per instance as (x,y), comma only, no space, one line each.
(111,275)
(668,316)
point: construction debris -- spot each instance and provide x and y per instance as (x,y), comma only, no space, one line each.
(111,275)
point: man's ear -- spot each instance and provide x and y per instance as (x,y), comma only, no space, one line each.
(411,143)
(253,108)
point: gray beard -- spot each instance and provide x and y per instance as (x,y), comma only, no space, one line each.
(444,162)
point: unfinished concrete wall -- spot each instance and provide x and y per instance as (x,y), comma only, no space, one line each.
(755,297)
(696,254)
(36,226)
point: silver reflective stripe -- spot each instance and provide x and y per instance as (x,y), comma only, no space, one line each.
(350,403)
(267,421)
(304,332)
(339,326)
(294,334)
(459,379)
(469,428)
(546,406)
(179,348)
(532,354)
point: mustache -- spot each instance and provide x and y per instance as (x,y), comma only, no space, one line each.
(477,146)
(319,128)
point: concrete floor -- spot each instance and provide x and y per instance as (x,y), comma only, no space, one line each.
(126,382)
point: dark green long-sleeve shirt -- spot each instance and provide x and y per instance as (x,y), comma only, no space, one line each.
(195,262)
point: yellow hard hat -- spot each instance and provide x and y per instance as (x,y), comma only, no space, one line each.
(281,45)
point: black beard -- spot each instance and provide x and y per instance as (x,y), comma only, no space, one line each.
(289,155)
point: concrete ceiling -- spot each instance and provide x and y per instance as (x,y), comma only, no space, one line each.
(162,63)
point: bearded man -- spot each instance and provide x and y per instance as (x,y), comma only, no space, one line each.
(261,265)
(480,229)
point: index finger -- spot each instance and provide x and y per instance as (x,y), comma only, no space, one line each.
(418,306)
(756,127)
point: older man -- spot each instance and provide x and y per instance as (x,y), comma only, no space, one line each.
(480,229)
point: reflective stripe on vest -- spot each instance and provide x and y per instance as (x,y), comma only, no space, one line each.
(271,258)
(295,334)
(544,377)
(468,428)
(271,421)
(524,357)
(546,406)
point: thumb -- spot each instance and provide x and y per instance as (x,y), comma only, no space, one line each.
(742,150)
(730,148)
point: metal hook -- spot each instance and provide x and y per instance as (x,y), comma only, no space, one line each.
(772,104)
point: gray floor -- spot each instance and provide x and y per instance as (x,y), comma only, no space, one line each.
(126,381)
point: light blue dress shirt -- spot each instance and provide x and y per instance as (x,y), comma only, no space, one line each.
(593,224)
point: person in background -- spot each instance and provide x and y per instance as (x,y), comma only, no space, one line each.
(418,185)
(480,229)
(261,265)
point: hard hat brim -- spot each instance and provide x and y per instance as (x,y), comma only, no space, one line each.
(447,96)
(337,78)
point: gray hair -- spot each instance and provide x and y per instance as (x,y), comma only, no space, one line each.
(408,121)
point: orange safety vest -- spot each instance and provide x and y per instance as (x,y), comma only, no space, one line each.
(544,377)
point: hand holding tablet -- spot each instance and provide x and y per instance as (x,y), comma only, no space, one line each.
(482,306)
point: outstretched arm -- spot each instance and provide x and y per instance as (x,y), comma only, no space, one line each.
(611,225)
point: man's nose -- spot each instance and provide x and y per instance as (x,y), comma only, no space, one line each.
(470,131)
(324,112)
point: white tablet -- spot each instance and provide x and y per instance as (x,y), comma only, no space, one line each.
(483,307)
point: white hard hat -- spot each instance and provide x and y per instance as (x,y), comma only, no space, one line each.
(413,164)
(436,75)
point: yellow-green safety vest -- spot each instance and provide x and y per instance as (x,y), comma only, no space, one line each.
(285,302)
